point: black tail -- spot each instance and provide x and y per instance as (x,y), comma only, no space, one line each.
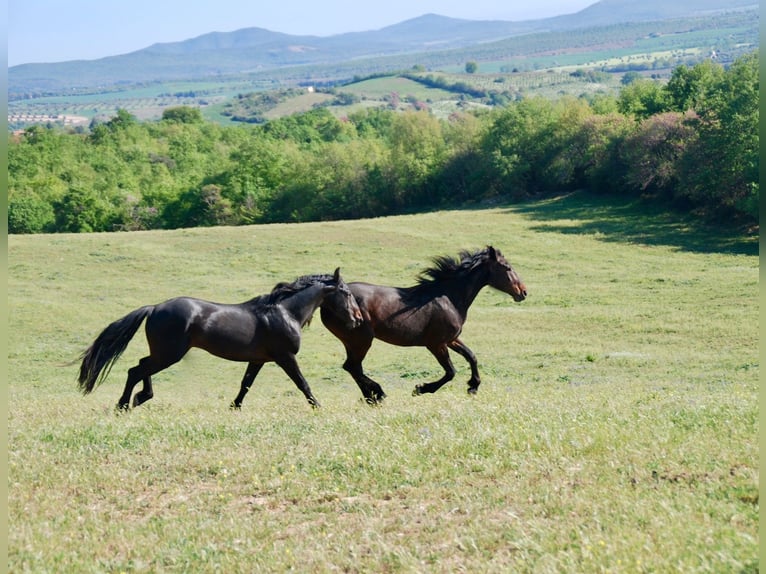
(97,360)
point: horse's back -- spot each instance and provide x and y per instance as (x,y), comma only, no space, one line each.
(406,316)
(180,311)
(237,332)
(189,315)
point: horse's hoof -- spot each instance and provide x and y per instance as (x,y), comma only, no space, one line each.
(235,407)
(473,390)
(417,391)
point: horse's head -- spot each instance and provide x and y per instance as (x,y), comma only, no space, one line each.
(503,277)
(341,300)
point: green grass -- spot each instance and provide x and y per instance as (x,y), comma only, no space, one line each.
(615,429)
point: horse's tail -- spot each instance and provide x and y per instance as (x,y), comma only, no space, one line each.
(97,360)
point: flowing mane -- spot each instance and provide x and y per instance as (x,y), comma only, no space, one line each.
(284,289)
(446,268)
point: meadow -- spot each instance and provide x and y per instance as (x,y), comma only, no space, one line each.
(615,429)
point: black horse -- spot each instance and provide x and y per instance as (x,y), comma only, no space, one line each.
(430,314)
(264,329)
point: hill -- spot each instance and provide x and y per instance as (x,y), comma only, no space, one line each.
(252,50)
(617,419)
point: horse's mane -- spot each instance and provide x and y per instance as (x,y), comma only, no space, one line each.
(284,289)
(446,268)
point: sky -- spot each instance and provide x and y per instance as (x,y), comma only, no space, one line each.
(56,31)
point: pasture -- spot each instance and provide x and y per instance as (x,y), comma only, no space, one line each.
(615,429)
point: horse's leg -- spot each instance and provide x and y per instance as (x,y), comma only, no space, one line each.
(459,347)
(135,374)
(442,355)
(357,342)
(355,354)
(290,366)
(250,373)
(143,371)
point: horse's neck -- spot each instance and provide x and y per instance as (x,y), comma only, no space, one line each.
(302,304)
(462,293)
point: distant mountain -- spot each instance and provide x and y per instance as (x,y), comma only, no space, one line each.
(256,49)
(603,12)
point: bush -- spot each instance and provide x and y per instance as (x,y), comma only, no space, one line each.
(29,214)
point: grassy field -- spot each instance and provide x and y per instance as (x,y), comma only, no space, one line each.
(615,429)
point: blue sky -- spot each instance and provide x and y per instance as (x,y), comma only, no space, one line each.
(56,31)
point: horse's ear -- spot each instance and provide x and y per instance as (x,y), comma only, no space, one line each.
(492,253)
(336,275)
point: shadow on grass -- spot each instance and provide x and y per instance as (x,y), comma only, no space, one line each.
(633,221)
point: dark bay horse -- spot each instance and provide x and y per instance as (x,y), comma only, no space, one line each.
(264,329)
(430,314)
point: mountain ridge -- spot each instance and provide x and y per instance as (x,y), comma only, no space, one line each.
(246,50)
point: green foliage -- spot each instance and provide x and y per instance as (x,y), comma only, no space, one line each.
(653,152)
(80,211)
(693,142)
(28,213)
(690,87)
(182,114)
(722,169)
(630,77)
(643,98)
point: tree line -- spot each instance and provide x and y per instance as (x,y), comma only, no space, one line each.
(691,143)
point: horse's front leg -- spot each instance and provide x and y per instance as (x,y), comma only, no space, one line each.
(371,390)
(459,347)
(442,355)
(290,366)
(250,373)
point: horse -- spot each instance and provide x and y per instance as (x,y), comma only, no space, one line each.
(264,329)
(429,314)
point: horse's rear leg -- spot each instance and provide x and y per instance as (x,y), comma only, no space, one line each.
(372,391)
(143,372)
(442,355)
(247,381)
(290,366)
(135,374)
(459,347)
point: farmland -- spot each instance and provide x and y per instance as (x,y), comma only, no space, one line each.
(520,66)
(615,428)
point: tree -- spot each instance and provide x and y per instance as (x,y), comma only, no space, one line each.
(183,115)
(79,211)
(722,169)
(652,153)
(28,213)
(122,120)
(688,88)
(517,147)
(642,98)
(417,148)
(471,67)
(630,77)
(597,148)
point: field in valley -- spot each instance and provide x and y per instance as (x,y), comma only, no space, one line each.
(615,430)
